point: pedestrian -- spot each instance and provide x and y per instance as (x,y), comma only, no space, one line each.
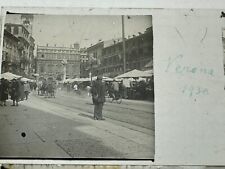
(98,96)
(15,93)
(5,91)
(115,85)
(26,89)
(21,90)
(35,86)
(75,87)
(88,90)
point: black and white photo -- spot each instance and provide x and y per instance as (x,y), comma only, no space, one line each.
(77,87)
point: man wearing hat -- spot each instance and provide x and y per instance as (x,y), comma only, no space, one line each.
(98,95)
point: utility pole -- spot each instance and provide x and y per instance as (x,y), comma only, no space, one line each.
(124,48)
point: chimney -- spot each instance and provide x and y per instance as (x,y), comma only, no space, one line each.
(55,45)
(47,44)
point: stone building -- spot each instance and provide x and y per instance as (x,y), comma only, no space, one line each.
(23,54)
(10,55)
(84,63)
(108,55)
(94,55)
(49,62)
(139,54)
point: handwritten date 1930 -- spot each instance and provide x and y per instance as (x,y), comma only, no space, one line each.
(191,91)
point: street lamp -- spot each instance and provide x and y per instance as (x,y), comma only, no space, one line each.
(64,63)
(124,48)
(91,63)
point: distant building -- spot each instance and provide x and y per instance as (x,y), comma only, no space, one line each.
(107,57)
(139,54)
(84,63)
(10,55)
(25,48)
(49,62)
(94,54)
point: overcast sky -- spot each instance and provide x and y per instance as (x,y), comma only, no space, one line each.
(86,30)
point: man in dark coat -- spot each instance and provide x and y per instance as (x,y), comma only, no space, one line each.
(15,92)
(4,91)
(98,95)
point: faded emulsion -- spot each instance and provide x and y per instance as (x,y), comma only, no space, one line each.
(77,87)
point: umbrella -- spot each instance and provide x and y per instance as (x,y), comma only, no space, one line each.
(10,76)
(134,74)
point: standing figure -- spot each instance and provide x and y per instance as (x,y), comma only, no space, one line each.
(5,91)
(15,93)
(88,89)
(21,90)
(98,97)
(115,85)
(26,89)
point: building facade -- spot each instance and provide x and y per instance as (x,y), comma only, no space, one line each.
(94,55)
(139,54)
(10,55)
(108,55)
(23,49)
(84,63)
(49,62)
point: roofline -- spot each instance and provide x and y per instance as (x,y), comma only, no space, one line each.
(55,47)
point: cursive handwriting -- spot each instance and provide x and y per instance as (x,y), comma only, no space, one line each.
(191,90)
(174,65)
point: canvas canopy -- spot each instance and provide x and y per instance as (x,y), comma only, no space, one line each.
(134,74)
(24,79)
(10,76)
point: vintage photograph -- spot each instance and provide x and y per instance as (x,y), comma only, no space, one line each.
(77,87)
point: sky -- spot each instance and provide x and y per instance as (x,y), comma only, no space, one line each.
(83,29)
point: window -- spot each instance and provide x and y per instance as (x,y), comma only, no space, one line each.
(15,31)
(42,68)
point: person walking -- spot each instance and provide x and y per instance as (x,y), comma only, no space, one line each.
(98,97)
(4,91)
(115,85)
(26,89)
(15,92)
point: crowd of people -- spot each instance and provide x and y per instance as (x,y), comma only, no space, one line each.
(126,89)
(47,88)
(16,90)
(99,90)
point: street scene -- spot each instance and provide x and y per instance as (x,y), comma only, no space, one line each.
(81,87)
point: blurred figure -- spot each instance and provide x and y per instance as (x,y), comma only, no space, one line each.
(15,93)
(21,90)
(26,89)
(35,86)
(75,87)
(89,90)
(98,96)
(115,86)
(39,86)
(4,91)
